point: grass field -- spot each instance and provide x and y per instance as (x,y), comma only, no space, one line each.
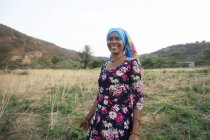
(47,104)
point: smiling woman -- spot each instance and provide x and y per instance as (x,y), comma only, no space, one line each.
(115,44)
(116,111)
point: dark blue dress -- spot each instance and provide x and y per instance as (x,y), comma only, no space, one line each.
(120,91)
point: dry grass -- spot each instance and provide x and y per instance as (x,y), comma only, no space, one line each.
(160,86)
(37,81)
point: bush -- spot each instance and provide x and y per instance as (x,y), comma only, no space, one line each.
(56,59)
(96,63)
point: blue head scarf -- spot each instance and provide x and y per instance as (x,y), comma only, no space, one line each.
(130,50)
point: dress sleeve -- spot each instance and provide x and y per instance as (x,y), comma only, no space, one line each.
(136,84)
(99,96)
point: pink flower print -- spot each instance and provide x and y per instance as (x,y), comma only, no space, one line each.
(103,76)
(111,135)
(138,86)
(106,100)
(126,125)
(112,114)
(104,110)
(101,89)
(119,117)
(119,73)
(98,119)
(116,108)
(115,100)
(128,67)
(96,138)
(111,88)
(125,109)
(123,69)
(93,118)
(124,76)
(139,105)
(115,81)
(100,97)
(119,89)
(129,98)
(108,125)
(121,132)
(136,69)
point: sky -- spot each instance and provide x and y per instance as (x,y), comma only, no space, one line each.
(72,24)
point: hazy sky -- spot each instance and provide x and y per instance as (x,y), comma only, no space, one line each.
(152,24)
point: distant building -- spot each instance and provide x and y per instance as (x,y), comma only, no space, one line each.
(190,63)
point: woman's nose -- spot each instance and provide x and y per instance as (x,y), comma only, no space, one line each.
(113,41)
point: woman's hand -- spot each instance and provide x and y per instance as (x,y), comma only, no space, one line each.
(134,137)
(85,123)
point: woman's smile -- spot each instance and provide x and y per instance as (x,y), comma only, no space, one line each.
(115,43)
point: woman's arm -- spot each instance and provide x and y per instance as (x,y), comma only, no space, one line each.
(137,97)
(136,121)
(92,110)
(85,123)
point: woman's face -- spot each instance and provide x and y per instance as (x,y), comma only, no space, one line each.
(115,44)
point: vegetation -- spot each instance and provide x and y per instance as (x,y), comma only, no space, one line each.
(85,56)
(206,53)
(96,63)
(158,62)
(48,104)
(17,50)
(5,51)
(177,55)
(56,59)
(40,54)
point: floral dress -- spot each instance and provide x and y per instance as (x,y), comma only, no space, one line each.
(120,92)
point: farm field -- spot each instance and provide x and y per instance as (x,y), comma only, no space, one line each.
(48,104)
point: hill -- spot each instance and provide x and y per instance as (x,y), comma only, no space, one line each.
(21,49)
(18,50)
(178,55)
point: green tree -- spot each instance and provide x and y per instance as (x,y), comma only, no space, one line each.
(158,62)
(96,63)
(206,53)
(85,56)
(147,63)
(56,59)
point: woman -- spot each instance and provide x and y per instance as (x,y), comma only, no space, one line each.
(116,111)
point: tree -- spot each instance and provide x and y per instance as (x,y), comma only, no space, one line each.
(147,63)
(85,56)
(206,53)
(56,59)
(96,63)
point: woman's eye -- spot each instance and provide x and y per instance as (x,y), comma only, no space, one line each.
(114,38)
(117,38)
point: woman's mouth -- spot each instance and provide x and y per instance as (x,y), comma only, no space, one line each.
(114,47)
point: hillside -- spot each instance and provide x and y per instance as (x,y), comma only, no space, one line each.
(18,50)
(178,55)
(16,46)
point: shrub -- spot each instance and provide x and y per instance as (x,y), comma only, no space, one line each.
(56,59)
